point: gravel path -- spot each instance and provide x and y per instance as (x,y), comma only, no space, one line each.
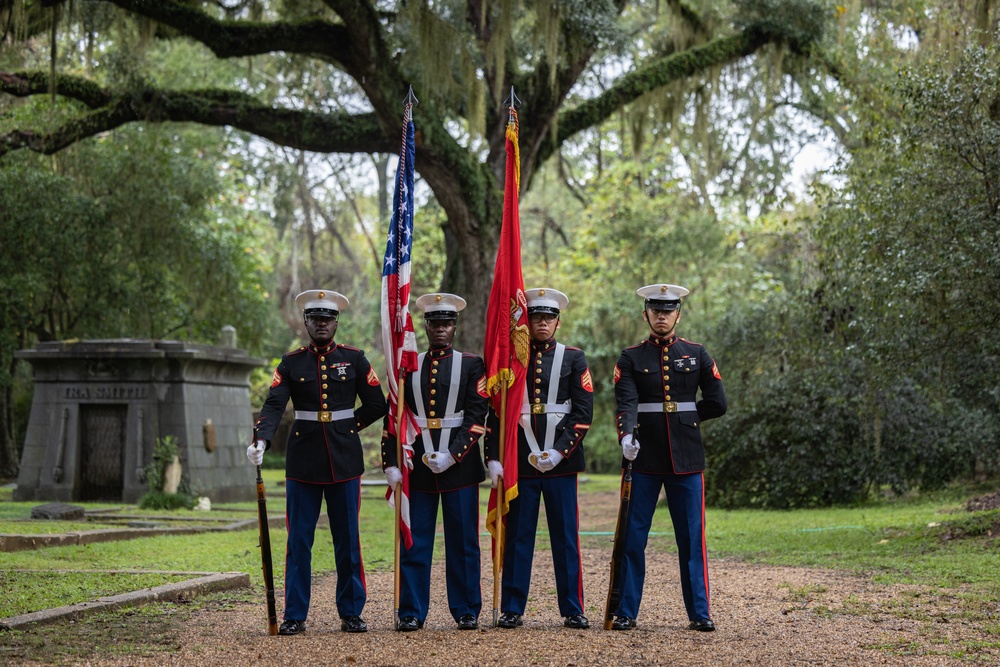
(765,615)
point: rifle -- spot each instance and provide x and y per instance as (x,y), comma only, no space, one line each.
(265,551)
(618,552)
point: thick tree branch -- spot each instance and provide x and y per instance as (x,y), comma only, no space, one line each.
(327,132)
(25,84)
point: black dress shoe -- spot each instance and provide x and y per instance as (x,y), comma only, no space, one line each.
(577,622)
(702,625)
(409,624)
(353,624)
(509,620)
(292,627)
(468,622)
(623,623)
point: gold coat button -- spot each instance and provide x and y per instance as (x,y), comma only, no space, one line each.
(302,379)
(324,385)
(433,402)
(322,358)
(432,413)
(324,376)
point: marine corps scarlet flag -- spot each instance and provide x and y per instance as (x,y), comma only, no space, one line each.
(507,339)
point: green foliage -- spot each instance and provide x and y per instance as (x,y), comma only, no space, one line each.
(160,500)
(872,365)
(164,452)
(798,23)
(135,236)
(273,461)
(916,232)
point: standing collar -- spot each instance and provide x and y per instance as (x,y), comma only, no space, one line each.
(325,349)
(441,353)
(662,342)
(543,345)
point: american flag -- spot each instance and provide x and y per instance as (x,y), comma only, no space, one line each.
(398,339)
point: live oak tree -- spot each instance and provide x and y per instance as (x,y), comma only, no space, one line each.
(462,58)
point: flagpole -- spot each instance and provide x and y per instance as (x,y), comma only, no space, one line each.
(398,497)
(501,497)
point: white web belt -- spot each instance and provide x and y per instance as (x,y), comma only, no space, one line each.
(669,406)
(324,415)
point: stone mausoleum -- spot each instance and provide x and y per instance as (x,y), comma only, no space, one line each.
(100,406)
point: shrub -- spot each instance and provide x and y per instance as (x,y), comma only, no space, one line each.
(158,500)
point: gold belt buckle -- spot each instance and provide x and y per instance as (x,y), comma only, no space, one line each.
(324,416)
(434,423)
(669,406)
(538,408)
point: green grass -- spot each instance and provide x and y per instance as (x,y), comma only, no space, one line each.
(43,590)
(895,543)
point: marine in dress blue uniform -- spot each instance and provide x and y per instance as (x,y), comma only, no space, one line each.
(656,386)
(555,418)
(323,458)
(448,397)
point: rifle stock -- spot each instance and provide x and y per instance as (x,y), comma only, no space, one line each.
(265,552)
(618,551)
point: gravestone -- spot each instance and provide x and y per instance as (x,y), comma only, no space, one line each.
(58,512)
(99,407)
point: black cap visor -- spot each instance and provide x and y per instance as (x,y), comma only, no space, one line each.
(319,312)
(441,315)
(663,304)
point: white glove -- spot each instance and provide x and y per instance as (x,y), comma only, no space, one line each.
(438,462)
(546,461)
(393,476)
(630,447)
(496,471)
(255,452)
